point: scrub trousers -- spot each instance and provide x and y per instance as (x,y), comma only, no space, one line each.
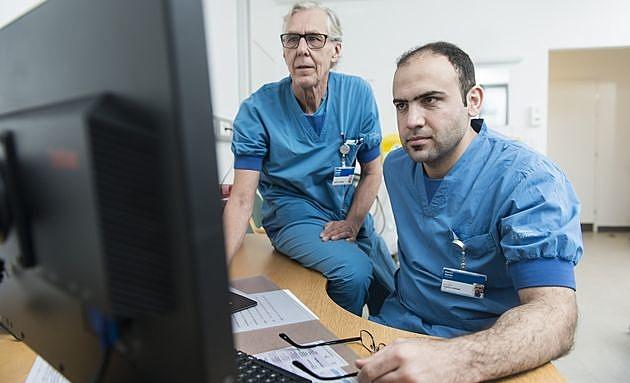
(358,272)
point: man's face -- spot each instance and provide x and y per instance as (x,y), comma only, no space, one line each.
(309,66)
(431,115)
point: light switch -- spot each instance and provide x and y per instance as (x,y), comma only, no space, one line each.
(535,116)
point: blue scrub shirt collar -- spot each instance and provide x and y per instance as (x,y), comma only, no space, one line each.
(439,200)
(299,114)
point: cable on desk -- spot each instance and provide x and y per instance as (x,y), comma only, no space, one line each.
(379,206)
(100,373)
(1,270)
(225,176)
(106,329)
(15,337)
(2,273)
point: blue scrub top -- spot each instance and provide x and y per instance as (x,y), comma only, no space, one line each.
(515,211)
(296,153)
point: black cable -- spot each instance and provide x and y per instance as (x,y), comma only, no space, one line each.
(379,206)
(384,218)
(2,269)
(2,274)
(102,369)
(15,337)
(225,176)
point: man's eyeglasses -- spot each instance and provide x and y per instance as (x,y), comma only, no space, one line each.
(313,40)
(365,337)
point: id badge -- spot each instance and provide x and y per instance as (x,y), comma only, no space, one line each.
(463,282)
(343,175)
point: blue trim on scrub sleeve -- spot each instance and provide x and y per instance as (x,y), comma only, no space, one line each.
(248,163)
(541,272)
(369,155)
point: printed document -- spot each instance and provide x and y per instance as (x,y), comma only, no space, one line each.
(42,372)
(323,361)
(274,308)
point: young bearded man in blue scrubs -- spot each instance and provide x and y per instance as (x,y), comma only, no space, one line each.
(489,234)
(297,141)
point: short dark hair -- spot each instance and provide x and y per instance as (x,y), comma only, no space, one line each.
(458,58)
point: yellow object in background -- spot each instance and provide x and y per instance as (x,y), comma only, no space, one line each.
(390,142)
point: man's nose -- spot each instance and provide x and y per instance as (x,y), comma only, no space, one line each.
(302,47)
(415,117)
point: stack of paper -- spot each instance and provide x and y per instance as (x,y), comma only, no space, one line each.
(42,372)
(274,308)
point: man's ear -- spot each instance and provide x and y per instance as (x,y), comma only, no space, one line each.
(474,100)
(337,53)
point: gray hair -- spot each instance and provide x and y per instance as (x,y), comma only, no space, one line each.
(334,26)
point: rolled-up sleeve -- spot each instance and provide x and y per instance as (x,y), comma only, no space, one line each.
(249,139)
(370,128)
(541,236)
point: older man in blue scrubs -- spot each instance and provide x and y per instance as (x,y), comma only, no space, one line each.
(298,141)
(489,234)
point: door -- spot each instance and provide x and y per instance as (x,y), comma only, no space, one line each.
(571,138)
(582,141)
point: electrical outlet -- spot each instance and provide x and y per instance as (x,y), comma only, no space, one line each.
(223,129)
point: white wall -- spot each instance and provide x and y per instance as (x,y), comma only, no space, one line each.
(222,40)
(514,37)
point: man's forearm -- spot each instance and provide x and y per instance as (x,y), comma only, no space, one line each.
(522,338)
(235,219)
(239,209)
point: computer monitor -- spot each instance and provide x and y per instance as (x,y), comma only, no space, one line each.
(114,267)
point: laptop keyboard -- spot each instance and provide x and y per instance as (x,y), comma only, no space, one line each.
(252,369)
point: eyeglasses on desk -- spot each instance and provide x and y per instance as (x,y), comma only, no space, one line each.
(365,338)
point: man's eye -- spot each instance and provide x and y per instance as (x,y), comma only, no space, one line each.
(401,106)
(430,100)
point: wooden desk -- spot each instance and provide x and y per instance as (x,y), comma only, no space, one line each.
(255,258)
(16,359)
(258,257)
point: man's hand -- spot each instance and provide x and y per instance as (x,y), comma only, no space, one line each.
(346,229)
(370,181)
(538,330)
(412,360)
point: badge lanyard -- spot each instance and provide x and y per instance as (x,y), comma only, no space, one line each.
(461,247)
(344,149)
(344,174)
(459,281)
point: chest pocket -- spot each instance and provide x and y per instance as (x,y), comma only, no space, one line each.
(479,245)
(483,256)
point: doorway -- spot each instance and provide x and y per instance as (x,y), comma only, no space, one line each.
(589,131)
